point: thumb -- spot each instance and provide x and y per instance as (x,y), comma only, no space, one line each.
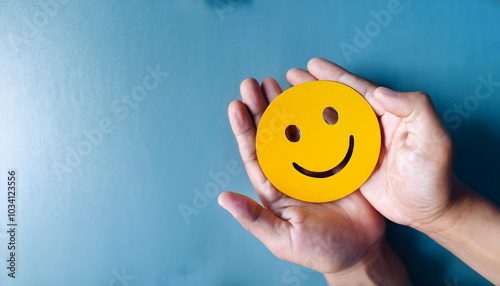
(417,112)
(261,222)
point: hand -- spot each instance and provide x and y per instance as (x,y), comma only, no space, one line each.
(333,238)
(413,181)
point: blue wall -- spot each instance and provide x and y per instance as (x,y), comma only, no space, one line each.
(111,215)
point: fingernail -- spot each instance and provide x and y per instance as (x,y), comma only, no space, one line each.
(387,91)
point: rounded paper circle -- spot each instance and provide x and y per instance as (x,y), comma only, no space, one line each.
(331,147)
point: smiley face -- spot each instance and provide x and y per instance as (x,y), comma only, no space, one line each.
(318,141)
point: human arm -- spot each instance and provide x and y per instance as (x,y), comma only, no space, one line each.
(343,239)
(413,183)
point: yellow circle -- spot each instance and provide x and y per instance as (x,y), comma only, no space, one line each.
(323,160)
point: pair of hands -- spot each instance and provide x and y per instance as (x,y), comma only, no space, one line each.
(411,185)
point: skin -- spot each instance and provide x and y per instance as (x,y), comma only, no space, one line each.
(413,184)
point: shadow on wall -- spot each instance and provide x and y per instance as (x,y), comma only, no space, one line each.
(423,269)
(477,157)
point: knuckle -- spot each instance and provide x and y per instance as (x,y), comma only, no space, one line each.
(248,156)
(447,145)
(423,97)
(255,214)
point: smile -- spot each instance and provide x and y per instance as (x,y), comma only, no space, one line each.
(332,171)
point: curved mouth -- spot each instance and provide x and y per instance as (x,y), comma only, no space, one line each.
(332,171)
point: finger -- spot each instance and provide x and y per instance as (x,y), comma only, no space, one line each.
(253,98)
(418,113)
(271,89)
(268,228)
(326,70)
(297,76)
(244,131)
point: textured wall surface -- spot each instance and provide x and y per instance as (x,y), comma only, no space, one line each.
(114,114)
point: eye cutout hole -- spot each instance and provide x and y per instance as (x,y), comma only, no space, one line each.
(292,133)
(330,115)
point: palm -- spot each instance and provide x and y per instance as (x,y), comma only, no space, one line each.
(379,189)
(410,168)
(327,237)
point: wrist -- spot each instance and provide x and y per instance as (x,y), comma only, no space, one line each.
(378,266)
(462,199)
(470,229)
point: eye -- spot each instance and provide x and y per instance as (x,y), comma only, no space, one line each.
(330,115)
(292,133)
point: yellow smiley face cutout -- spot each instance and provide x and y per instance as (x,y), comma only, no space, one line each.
(318,141)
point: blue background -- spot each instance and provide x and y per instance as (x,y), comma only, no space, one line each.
(118,208)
